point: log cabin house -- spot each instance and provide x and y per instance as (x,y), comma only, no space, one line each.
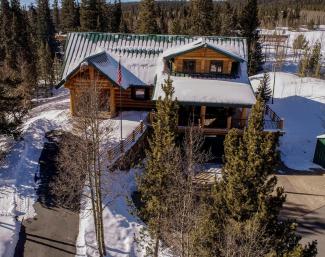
(209,76)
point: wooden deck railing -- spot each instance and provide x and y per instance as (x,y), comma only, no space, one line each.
(271,122)
(115,151)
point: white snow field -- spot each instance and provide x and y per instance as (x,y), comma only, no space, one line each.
(301,102)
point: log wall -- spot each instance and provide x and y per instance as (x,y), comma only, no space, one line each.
(203,57)
(82,79)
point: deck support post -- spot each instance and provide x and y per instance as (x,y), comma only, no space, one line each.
(281,124)
(229,119)
(202,116)
(243,117)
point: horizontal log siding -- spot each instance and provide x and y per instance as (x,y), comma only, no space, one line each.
(82,79)
(128,102)
(203,57)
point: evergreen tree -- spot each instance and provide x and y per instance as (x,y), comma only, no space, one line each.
(5,25)
(56,17)
(315,59)
(147,23)
(116,16)
(89,15)
(69,17)
(153,184)
(124,26)
(228,23)
(45,27)
(264,91)
(45,68)
(250,160)
(201,18)
(249,23)
(12,108)
(248,188)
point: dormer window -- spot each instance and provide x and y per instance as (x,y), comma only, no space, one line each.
(216,66)
(189,66)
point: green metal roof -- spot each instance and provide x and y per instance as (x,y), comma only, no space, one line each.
(148,48)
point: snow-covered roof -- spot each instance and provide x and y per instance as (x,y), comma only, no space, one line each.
(139,54)
(209,91)
(108,66)
(201,42)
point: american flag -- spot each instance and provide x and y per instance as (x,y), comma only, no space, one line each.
(119,73)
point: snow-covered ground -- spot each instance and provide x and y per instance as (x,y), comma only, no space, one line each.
(311,36)
(119,225)
(301,102)
(17,186)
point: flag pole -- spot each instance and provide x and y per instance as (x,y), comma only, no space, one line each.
(120,84)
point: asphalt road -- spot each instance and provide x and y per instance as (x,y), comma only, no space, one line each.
(52,233)
(306,203)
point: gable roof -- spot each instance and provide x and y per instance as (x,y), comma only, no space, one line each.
(108,67)
(200,43)
(139,54)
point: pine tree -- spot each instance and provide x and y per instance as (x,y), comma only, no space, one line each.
(201,18)
(248,187)
(45,63)
(264,91)
(228,24)
(56,17)
(116,16)
(249,23)
(5,18)
(45,27)
(153,184)
(250,160)
(89,15)
(147,23)
(68,15)
(315,59)
(303,64)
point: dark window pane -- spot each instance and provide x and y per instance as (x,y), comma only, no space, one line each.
(103,100)
(140,93)
(189,66)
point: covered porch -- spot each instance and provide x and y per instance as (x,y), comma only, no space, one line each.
(217,121)
(213,120)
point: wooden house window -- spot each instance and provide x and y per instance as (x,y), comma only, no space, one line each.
(140,93)
(216,66)
(103,100)
(189,66)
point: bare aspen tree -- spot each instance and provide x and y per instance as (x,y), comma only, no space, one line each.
(85,156)
(183,197)
(246,239)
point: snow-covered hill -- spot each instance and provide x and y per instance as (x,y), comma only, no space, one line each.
(301,102)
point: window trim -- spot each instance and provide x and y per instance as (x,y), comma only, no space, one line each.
(134,96)
(216,61)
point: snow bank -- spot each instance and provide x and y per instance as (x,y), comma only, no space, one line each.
(17,186)
(119,225)
(301,102)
